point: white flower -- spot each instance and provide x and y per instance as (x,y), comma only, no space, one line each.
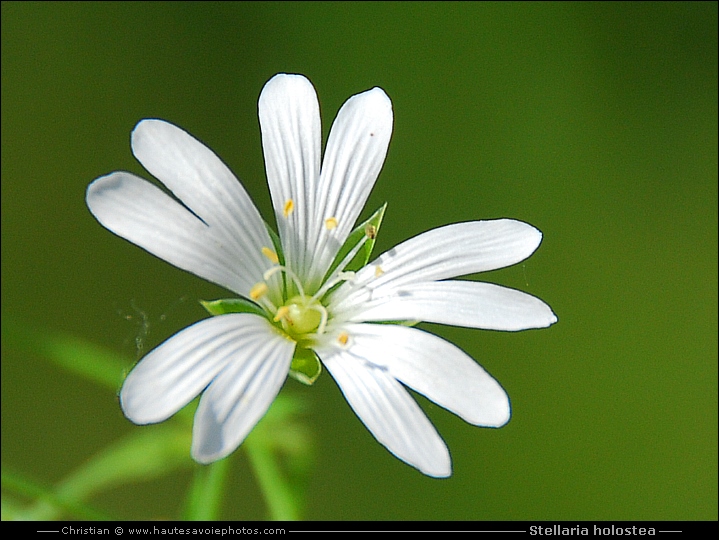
(296,293)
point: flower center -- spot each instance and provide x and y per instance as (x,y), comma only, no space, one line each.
(301,315)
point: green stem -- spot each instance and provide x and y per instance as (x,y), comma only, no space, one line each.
(276,491)
(206,494)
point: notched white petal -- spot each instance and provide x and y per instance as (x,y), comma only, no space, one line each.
(435,368)
(200,179)
(174,373)
(459,303)
(241,394)
(356,150)
(388,412)
(140,212)
(446,252)
(291,140)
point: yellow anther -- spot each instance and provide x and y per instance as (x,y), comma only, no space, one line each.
(370,231)
(271,255)
(343,338)
(281,313)
(258,290)
(330,223)
(378,271)
(289,207)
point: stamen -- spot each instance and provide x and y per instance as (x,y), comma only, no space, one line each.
(370,231)
(258,290)
(271,255)
(341,276)
(323,315)
(281,313)
(330,223)
(378,271)
(343,338)
(289,207)
(272,271)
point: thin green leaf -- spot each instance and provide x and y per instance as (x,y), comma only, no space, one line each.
(46,496)
(145,454)
(75,355)
(10,508)
(68,352)
(277,493)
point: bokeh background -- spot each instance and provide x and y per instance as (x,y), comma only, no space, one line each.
(596,123)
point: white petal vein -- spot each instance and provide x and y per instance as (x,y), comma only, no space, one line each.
(241,394)
(446,252)
(146,216)
(460,303)
(200,179)
(291,140)
(388,412)
(174,373)
(433,367)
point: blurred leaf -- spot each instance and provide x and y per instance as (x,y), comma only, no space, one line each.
(280,448)
(70,353)
(281,452)
(75,355)
(145,454)
(14,510)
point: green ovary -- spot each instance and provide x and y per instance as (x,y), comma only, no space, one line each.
(301,316)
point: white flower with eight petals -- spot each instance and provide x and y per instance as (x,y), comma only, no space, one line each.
(298,298)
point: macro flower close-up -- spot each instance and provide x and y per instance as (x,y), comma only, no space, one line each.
(311,296)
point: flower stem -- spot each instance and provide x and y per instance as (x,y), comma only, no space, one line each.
(277,493)
(205,498)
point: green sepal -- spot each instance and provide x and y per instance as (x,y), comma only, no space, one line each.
(306,366)
(363,256)
(375,221)
(232,305)
(400,323)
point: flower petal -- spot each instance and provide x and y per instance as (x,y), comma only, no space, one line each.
(173,374)
(146,216)
(241,394)
(433,367)
(356,150)
(388,411)
(204,184)
(459,303)
(446,252)
(291,138)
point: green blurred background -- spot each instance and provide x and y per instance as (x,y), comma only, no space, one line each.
(596,123)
